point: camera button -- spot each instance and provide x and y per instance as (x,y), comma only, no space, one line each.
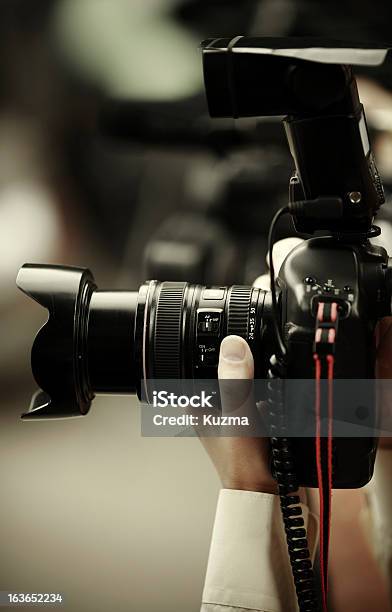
(209,322)
(213,294)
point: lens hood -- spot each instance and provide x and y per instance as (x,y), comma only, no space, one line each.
(59,353)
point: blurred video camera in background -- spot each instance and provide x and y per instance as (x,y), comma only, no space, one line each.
(108,155)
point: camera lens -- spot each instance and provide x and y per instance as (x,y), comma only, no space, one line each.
(115,341)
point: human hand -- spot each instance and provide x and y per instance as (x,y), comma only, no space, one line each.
(241,462)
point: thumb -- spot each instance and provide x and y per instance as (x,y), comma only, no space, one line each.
(235,373)
(235,359)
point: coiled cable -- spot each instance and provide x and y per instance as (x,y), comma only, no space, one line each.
(284,473)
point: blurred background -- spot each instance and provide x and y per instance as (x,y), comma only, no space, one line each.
(108,160)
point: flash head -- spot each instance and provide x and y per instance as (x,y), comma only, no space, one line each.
(310,82)
(266,76)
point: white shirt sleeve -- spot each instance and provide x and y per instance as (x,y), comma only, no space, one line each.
(248,567)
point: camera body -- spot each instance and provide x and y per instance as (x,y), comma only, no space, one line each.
(113,342)
(357,278)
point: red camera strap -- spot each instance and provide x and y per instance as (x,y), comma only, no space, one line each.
(323,354)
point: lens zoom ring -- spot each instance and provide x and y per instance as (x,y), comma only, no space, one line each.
(167,337)
(238,311)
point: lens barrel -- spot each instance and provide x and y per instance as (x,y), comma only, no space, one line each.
(110,347)
(114,341)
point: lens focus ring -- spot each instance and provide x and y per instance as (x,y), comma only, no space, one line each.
(168,325)
(238,311)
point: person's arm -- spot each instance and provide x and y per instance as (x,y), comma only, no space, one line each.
(248,567)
